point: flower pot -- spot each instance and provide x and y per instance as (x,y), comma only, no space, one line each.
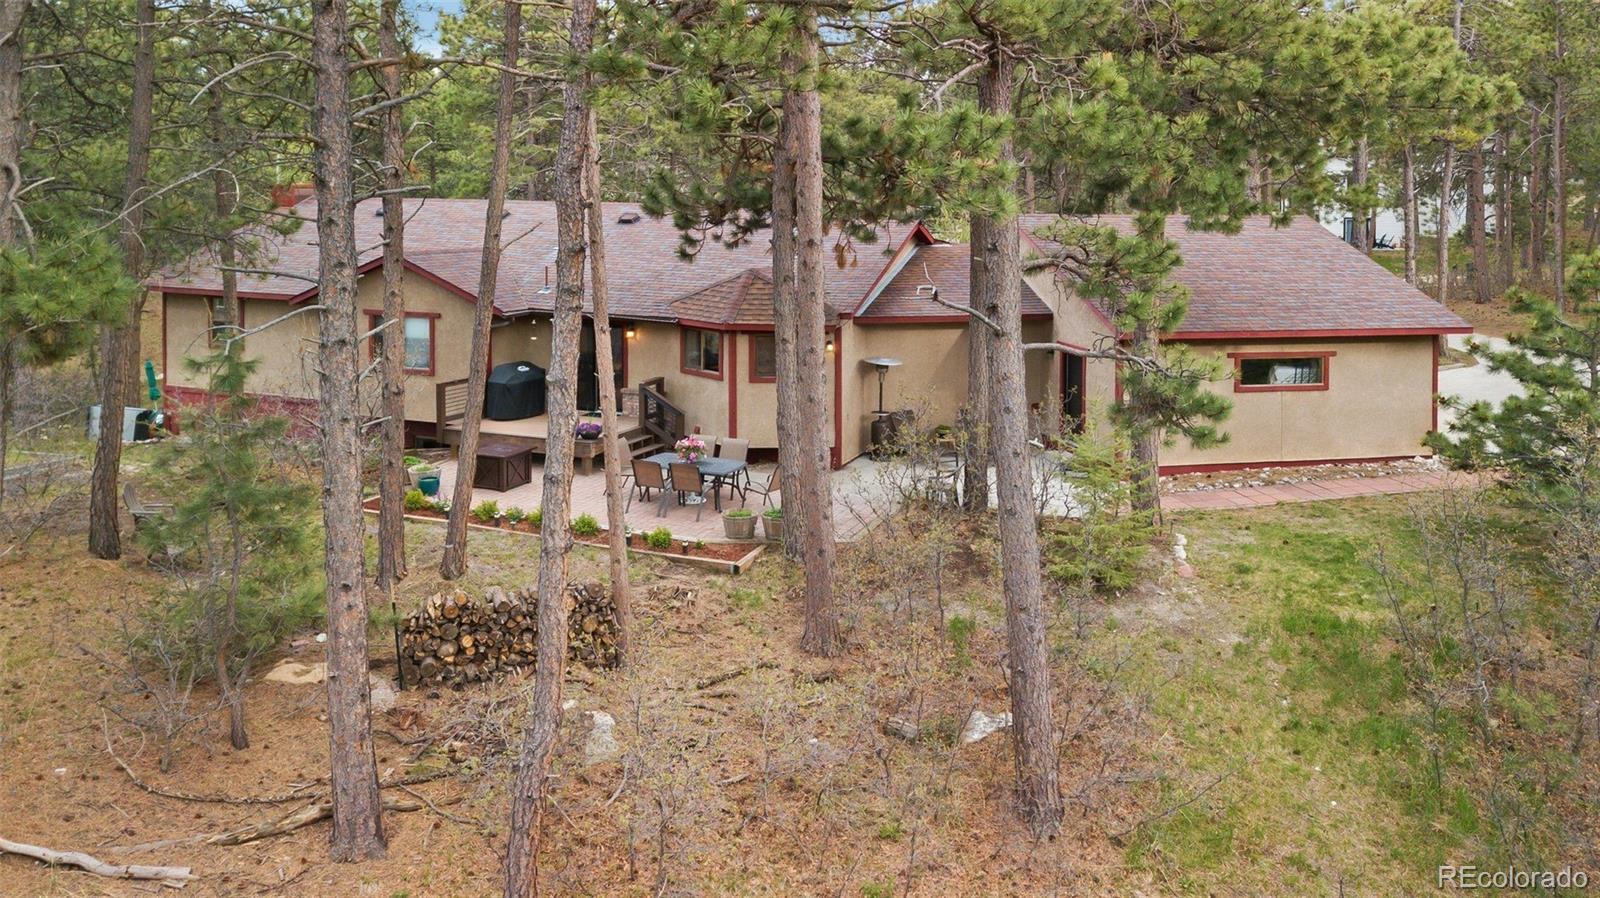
(740,527)
(417,472)
(773,528)
(429,484)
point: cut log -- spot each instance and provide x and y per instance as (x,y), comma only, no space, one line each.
(172,877)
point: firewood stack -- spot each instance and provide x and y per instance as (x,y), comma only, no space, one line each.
(454,640)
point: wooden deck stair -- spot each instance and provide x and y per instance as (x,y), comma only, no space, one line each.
(642,442)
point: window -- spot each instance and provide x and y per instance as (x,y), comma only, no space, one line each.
(419,343)
(1269,372)
(702,353)
(223,321)
(418,338)
(763,358)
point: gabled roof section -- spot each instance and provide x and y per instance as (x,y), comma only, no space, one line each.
(902,300)
(743,301)
(1268,281)
(444,237)
(919,236)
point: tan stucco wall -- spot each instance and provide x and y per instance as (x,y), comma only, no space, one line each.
(932,378)
(655,351)
(286,352)
(1379,403)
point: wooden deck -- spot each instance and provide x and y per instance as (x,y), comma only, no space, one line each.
(532,432)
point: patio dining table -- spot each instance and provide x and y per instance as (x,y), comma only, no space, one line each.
(718,470)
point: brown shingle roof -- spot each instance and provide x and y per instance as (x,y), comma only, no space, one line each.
(445,237)
(946,266)
(1270,280)
(744,300)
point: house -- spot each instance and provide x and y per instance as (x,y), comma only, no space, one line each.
(693,337)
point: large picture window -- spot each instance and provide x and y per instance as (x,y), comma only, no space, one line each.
(763,358)
(702,352)
(1270,371)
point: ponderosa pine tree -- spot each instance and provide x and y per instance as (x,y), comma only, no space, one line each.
(119,345)
(391,343)
(453,563)
(13,15)
(353,764)
(528,791)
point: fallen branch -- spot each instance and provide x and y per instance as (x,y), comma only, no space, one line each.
(720,678)
(171,877)
(311,813)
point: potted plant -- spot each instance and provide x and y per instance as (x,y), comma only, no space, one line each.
(739,524)
(587,430)
(691,448)
(420,470)
(772,524)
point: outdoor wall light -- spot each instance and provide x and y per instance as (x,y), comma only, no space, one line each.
(630,333)
(830,344)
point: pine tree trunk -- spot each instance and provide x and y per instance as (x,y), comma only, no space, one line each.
(1536,196)
(1408,203)
(1504,228)
(821,635)
(974,415)
(1361,225)
(785,333)
(615,446)
(391,451)
(13,13)
(119,346)
(1442,249)
(453,562)
(1477,210)
(1558,163)
(1039,800)
(533,763)
(357,805)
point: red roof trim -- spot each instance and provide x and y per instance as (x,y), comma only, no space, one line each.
(1317,332)
(722,326)
(181,290)
(920,234)
(868,320)
(374,264)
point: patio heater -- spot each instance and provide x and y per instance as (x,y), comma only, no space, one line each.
(885,422)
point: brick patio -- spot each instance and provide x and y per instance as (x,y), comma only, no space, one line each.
(589,496)
(1312,491)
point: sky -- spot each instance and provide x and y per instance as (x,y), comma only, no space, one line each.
(426,15)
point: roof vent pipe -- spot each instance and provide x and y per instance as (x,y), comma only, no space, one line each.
(628,218)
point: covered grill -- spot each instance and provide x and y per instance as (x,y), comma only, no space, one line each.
(516,390)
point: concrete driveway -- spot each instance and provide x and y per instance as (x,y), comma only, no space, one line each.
(1475,382)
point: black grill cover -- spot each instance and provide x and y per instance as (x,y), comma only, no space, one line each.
(516,390)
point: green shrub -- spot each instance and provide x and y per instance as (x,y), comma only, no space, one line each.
(659,538)
(775,512)
(960,627)
(486,511)
(739,513)
(515,515)
(416,501)
(585,525)
(410,460)
(883,889)
(1103,548)
(536,518)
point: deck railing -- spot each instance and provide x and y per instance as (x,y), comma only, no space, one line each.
(661,418)
(449,404)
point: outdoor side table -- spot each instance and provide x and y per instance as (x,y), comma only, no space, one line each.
(502,466)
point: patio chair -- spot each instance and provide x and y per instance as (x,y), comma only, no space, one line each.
(687,480)
(142,511)
(647,476)
(764,489)
(712,443)
(737,450)
(944,487)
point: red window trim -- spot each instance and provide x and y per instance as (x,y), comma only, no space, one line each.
(683,354)
(375,315)
(1327,371)
(754,377)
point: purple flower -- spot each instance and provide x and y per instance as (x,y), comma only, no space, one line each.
(587,430)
